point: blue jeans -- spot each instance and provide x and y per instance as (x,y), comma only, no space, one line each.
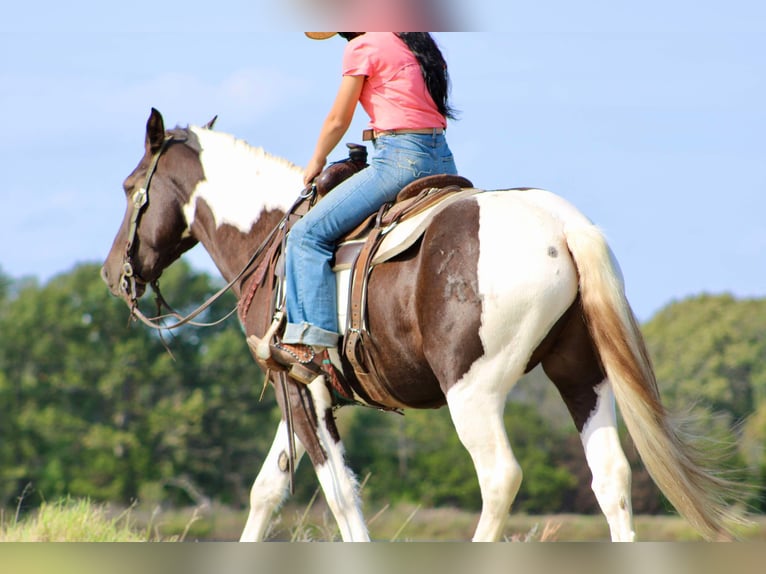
(312,314)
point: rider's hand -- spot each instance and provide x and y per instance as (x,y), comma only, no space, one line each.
(313,169)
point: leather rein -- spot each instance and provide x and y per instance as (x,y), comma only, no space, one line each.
(128,277)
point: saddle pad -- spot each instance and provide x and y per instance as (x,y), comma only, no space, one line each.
(399,236)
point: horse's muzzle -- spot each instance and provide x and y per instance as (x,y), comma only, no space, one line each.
(113,288)
(117,289)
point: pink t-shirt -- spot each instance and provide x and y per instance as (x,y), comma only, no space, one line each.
(394,95)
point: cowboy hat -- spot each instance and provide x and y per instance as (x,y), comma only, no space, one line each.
(320,35)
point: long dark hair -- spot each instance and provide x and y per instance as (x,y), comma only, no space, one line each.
(432,65)
(434,68)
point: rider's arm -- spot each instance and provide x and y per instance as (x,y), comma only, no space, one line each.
(335,125)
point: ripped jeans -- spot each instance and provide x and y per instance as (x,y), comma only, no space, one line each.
(312,314)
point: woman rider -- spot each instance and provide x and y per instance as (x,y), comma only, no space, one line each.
(401,81)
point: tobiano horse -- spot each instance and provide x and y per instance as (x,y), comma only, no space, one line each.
(499,283)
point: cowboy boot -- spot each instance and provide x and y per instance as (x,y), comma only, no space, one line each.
(302,362)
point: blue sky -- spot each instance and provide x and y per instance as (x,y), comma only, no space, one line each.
(650,118)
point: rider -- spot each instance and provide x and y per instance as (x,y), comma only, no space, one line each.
(401,81)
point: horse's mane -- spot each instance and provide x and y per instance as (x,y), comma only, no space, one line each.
(258,153)
(242,179)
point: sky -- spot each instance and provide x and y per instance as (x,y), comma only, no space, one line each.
(650,118)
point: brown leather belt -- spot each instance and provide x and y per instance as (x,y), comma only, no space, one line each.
(368,135)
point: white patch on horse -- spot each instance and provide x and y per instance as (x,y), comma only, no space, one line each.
(241,181)
(609,467)
(342,280)
(271,486)
(524,291)
(338,483)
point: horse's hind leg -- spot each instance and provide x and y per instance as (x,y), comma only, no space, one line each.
(573,367)
(271,485)
(478,419)
(607,462)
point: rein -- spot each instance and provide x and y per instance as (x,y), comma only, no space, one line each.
(128,277)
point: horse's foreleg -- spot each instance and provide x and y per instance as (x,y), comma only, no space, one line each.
(610,469)
(478,420)
(338,483)
(271,485)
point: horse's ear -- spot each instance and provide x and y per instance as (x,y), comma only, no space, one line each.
(155,131)
(211,123)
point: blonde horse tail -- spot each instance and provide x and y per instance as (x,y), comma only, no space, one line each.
(679,469)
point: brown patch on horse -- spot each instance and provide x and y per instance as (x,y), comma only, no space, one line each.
(569,359)
(402,367)
(452,305)
(160,236)
(228,246)
(430,329)
(306,420)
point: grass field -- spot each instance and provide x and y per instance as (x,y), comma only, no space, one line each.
(82,521)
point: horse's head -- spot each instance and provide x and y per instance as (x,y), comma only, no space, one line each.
(154,231)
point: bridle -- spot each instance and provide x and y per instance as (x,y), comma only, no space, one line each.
(128,276)
(140,199)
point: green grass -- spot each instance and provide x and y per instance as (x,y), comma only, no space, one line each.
(84,521)
(72,520)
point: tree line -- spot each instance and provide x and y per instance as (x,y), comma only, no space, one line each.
(95,406)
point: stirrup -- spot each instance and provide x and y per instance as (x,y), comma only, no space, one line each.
(302,372)
(305,363)
(302,368)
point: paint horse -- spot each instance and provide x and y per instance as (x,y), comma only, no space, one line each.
(498,284)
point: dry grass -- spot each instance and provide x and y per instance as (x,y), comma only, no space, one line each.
(81,520)
(71,520)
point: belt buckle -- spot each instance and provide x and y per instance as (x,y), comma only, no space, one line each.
(368,135)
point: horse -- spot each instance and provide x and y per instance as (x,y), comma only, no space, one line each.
(500,283)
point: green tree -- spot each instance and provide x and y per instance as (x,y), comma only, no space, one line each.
(709,351)
(94,405)
(101,408)
(5,285)
(709,354)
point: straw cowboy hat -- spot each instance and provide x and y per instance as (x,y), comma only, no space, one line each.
(320,35)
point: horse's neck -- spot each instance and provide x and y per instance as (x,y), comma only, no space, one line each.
(245,191)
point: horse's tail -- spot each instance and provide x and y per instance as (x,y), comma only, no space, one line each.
(678,469)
